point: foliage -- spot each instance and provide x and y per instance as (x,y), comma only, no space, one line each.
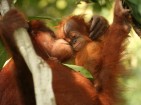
(80,69)
(47,8)
(133,82)
(98,5)
(3,55)
(135,6)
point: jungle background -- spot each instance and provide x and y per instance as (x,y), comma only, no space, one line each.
(52,12)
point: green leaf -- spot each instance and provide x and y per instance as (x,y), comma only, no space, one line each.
(135,6)
(80,69)
(43,17)
(3,55)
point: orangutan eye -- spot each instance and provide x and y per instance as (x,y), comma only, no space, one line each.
(74,35)
(74,40)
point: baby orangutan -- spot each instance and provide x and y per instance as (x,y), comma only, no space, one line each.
(101,56)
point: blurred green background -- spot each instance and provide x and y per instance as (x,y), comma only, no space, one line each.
(52,11)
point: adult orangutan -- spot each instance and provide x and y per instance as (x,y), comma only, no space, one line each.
(101,57)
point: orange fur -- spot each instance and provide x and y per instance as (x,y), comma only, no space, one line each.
(16,85)
(102,58)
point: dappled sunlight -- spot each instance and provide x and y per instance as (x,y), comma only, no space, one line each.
(42,3)
(61,4)
(84,8)
(133,83)
(134,49)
